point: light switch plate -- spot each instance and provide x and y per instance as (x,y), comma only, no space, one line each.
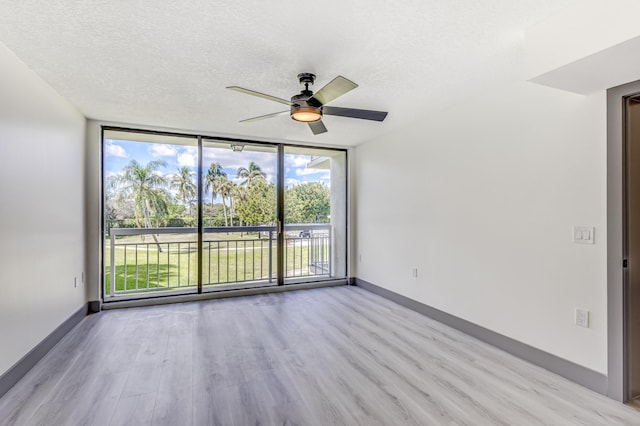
(582,318)
(583,234)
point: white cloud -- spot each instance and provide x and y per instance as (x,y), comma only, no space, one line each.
(162,150)
(307,172)
(296,160)
(113,150)
(186,159)
(292,182)
(308,175)
(188,156)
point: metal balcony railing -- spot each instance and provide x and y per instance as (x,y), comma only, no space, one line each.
(155,259)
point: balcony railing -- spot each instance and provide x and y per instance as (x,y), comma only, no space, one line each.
(142,260)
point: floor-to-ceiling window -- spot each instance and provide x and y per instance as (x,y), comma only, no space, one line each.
(315,213)
(189,214)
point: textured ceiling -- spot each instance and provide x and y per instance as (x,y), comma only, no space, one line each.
(161,63)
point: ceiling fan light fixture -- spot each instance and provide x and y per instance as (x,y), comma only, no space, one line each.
(306,114)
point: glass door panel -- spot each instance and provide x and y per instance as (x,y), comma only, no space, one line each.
(150,214)
(315,214)
(239,215)
(162,235)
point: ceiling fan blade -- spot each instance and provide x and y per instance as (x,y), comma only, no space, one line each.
(335,88)
(317,127)
(262,117)
(364,114)
(260,95)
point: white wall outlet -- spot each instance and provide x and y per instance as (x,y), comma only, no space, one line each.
(414,272)
(583,234)
(582,318)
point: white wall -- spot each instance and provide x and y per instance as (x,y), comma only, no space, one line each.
(481,197)
(41,209)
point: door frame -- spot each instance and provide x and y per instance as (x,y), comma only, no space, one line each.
(617,386)
(280,187)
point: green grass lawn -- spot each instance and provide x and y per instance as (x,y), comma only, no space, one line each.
(140,266)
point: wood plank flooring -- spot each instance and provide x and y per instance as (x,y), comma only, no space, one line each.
(332,356)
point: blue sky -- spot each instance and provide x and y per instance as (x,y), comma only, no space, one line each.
(118,153)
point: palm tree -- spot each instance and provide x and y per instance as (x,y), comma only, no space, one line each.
(224,187)
(238,195)
(252,174)
(213,174)
(186,188)
(146,187)
(232,191)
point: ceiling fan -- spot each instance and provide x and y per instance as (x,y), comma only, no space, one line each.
(309,108)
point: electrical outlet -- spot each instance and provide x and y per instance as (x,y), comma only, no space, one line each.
(582,318)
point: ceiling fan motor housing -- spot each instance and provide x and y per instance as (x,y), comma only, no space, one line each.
(301,110)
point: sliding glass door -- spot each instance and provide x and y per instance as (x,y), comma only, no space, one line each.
(239,214)
(150,213)
(189,214)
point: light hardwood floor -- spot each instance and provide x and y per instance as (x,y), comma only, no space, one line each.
(328,356)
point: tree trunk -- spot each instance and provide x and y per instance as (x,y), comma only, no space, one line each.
(213,194)
(147,221)
(224,209)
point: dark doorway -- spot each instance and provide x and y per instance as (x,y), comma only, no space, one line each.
(631,238)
